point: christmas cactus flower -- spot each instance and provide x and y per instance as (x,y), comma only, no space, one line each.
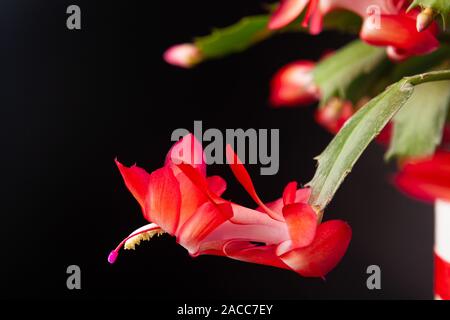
(363,96)
(171,202)
(386,23)
(399,34)
(181,200)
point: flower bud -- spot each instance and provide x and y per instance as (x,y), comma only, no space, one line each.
(424,19)
(184,55)
(293,85)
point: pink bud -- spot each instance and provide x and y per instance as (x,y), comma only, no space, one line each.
(184,55)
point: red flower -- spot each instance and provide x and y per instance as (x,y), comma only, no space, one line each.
(399,34)
(394,29)
(179,199)
(426,179)
(293,85)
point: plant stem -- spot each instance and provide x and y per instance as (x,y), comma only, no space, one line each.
(428,77)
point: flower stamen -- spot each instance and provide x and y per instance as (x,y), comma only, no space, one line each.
(144,233)
(131,243)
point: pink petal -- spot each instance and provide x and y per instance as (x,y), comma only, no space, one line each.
(137,181)
(245,225)
(301,220)
(324,253)
(163,205)
(361,7)
(287,12)
(244,215)
(251,225)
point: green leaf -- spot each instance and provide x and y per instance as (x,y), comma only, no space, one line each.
(419,124)
(336,162)
(235,38)
(336,73)
(442,7)
(253,29)
(341,154)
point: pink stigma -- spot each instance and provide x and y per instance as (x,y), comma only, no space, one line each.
(113,256)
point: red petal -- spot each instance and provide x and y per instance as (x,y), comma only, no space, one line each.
(243,177)
(209,216)
(163,205)
(287,12)
(289,193)
(249,252)
(426,179)
(302,223)
(217,185)
(201,182)
(442,278)
(302,195)
(324,253)
(313,17)
(191,198)
(400,32)
(188,150)
(316,23)
(137,181)
(205,220)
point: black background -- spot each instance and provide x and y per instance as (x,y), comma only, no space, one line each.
(71,101)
